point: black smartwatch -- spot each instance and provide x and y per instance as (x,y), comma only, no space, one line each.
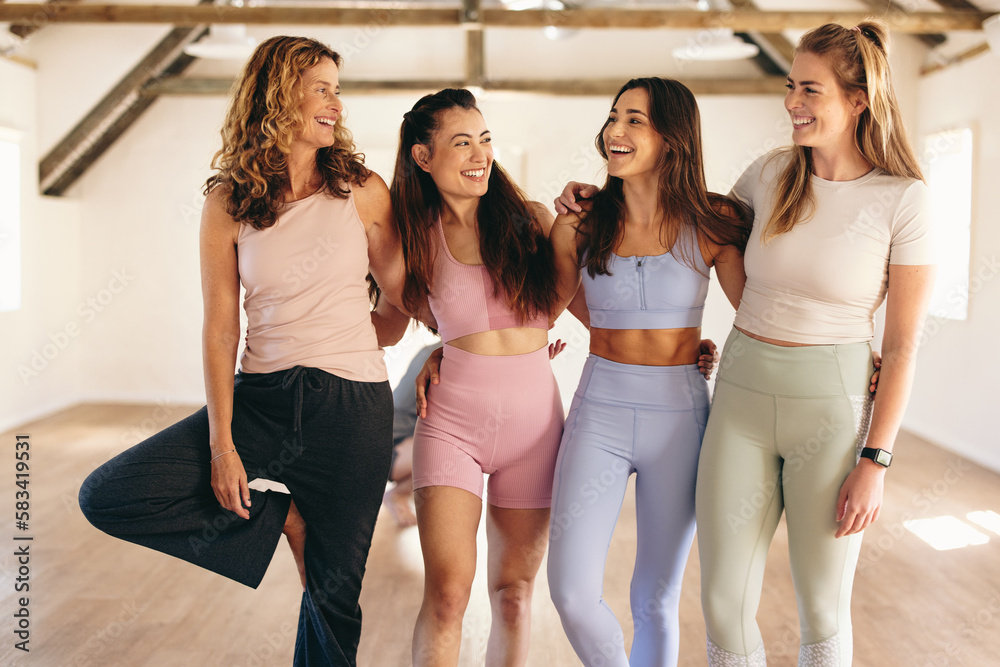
(879,456)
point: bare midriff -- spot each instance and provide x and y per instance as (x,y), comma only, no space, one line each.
(647,347)
(503,342)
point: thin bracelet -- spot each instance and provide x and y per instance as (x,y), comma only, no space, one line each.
(222,454)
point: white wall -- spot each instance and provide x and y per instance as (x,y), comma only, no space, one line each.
(42,341)
(954,400)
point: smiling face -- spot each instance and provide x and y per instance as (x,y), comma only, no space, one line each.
(461,157)
(823,115)
(632,145)
(320,106)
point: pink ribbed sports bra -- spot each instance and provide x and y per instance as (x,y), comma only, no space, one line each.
(462,298)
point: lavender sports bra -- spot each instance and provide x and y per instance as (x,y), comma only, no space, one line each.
(462,298)
(654,292)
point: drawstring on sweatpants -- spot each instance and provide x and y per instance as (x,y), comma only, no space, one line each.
(298,376)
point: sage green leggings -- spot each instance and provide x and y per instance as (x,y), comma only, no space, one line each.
(785,429)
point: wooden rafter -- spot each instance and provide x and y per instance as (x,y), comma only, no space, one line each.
(25,31)
(890,10)
(738,20)
(115,112)
(957,5)
(475,47)
(773,85)
(968,54)
(776,51)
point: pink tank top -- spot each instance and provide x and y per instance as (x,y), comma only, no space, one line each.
(462,298)
(306,296)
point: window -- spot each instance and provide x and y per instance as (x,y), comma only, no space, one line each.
(10,220)
(948,169)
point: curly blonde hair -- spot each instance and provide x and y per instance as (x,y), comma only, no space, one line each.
(260,125)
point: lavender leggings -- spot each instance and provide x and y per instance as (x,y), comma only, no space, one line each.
(647,420)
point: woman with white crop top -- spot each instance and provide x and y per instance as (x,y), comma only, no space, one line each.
(294,216)
(646,247)
(839,226)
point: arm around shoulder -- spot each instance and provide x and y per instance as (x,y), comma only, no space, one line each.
(385,251)
(564,237)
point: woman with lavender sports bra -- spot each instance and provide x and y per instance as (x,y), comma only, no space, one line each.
(646,247)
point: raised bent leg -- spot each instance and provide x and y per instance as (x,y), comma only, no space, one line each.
(158,494)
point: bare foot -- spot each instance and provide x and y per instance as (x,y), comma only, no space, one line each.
(295,533)
(398,503)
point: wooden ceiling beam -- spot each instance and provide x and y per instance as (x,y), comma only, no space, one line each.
(115,112)
(580,87)
(889,10)
(776,51)
(957,5)
(968,54)
(25,31)
(740,20)
(475,46)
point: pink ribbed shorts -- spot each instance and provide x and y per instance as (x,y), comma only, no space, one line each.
(499,415)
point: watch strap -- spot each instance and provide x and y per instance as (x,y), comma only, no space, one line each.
(879,456)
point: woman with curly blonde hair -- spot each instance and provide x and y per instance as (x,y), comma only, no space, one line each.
(294,216)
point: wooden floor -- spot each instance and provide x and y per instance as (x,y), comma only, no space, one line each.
(98,601)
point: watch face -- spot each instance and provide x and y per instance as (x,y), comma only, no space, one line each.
(883,458)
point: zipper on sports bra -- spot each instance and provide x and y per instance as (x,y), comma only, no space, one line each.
(642,291)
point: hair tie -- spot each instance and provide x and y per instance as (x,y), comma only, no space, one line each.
(856,29)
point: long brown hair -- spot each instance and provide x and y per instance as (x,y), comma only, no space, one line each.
(684,197)
(259,128)
(859,58)
(514,249)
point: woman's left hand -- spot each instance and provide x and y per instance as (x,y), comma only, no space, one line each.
(877,363)
(429,374)
(860,498)
(709,357)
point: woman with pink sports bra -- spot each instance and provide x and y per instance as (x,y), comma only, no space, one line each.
(645,248)
(479,262)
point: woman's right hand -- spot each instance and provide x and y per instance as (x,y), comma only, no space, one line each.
(229,481)
(567,201)
(430,373)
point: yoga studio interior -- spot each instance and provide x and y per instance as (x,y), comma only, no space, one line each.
(110,115)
